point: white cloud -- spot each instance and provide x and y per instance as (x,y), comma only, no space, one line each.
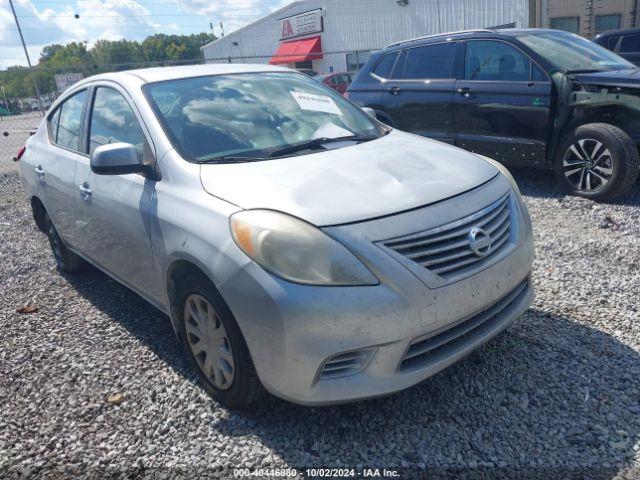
(98,19)
(105,19)
(233,14)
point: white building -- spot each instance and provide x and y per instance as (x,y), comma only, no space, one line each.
(338,35)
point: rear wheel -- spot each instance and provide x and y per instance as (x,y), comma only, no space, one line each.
(597,161)
(215,345)
(66,260)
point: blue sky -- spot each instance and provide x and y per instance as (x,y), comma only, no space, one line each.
(52,21)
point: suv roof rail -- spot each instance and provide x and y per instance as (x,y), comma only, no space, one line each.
(446,34)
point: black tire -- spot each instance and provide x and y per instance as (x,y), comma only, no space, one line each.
(588,179)
(66,260)
(245,388)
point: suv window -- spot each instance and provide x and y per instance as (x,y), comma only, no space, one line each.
(430,61)
(630,43)
(384,66)
(496,61)
(70,121)
(537,74)
(612,42)
(113,120)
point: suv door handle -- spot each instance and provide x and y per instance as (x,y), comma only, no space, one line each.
(39,172)
(465,92)
(394,90)
(85,191)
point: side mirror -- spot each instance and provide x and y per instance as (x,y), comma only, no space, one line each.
(116,159)
(369,111)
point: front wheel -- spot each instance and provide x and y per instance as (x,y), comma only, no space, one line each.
(215,345)
(597,161)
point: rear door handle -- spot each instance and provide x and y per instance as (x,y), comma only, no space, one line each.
(465,92)
(85,191)
(394,90)
(39,172)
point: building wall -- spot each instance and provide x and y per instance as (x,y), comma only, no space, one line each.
(586,12)
(365,25)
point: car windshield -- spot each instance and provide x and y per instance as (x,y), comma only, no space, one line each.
(254,115)
(572,53)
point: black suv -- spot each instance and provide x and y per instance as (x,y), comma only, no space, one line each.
(625,43)
(521,96)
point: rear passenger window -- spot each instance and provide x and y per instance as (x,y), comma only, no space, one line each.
(630,43)
(70,123)
(113,121)
(496,61)
(431,61)
(52,125)
(384,66)
(398,70)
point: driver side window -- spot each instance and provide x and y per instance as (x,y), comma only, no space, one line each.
(113,120)
(496,61)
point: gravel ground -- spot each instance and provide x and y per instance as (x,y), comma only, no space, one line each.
(557,393)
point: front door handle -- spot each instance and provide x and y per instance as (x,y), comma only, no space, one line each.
(394,90)
(465,92)
(85,191)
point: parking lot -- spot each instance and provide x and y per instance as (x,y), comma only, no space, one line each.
(92,377)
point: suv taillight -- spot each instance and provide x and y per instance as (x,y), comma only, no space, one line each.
(20,154)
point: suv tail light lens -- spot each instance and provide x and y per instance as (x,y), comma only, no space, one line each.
(20,154)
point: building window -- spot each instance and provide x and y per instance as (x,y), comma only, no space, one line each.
(604,23)
(356,60)
(568,24)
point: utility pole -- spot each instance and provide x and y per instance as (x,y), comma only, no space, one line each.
(26,52)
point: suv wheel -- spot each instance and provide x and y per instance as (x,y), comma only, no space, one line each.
(66,260)
(597,161)
(215,345)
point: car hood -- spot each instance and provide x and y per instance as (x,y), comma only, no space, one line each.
(618,78)
(397,172)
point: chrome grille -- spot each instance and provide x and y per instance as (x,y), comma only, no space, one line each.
(423,351)
(344,364)
(448,250)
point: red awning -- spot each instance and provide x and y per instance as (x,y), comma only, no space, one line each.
(298,51)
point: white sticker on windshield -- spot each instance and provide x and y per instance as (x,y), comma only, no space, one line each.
(316,103)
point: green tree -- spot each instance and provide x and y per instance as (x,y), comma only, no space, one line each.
(104,56)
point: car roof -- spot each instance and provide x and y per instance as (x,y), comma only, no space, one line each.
(624,31)
(159,74)
(478,33)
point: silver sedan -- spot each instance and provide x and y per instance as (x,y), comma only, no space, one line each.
(298,245)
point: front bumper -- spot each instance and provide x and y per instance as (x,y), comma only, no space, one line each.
(292,330)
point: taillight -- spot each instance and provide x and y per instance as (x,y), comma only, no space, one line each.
(20,154)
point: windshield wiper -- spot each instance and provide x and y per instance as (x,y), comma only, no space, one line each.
(585,70)
(229,159)
(317,143)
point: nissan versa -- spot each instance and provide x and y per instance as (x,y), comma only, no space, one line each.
(298,244)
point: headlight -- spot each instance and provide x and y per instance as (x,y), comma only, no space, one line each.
(295,250)
(506,173)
